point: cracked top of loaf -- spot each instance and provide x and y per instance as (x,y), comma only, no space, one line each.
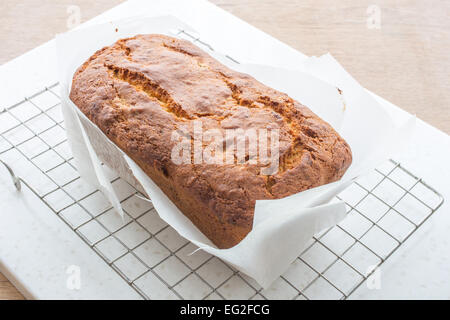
(140,90)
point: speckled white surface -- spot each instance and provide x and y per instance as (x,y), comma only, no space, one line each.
(36,247)
(36,251)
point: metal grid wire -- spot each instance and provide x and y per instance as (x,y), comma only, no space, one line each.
(385,208)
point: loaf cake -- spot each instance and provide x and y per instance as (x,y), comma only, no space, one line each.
(141,90)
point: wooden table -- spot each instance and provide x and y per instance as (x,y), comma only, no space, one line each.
(7,290)
(398,50)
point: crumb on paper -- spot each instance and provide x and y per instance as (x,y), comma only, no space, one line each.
(117,29)
(342,98)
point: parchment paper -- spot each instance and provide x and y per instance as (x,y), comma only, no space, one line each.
(281,227)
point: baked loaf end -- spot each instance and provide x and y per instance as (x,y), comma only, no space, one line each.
(141,89)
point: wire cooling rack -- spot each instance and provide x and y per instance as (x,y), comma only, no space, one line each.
(385,207)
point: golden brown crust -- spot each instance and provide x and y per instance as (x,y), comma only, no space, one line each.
(141,89)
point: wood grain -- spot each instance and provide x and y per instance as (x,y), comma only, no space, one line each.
(7,290)
(406,60)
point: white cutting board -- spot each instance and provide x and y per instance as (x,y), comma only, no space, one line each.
(36,247)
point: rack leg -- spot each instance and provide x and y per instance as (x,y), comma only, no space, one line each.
(15,179)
